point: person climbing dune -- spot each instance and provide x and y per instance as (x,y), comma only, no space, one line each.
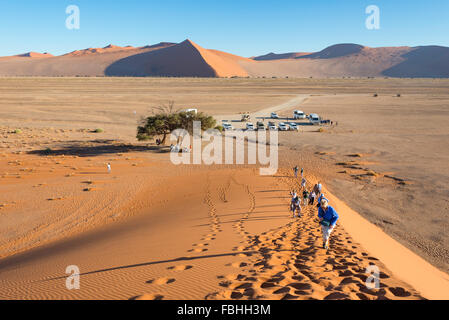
(295,204)
(328,220)
(303,183)
(312,198)
(305,197)
(295,171)
(317,188)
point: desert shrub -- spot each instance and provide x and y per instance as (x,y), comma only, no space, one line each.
(98,130)
(17,131)
(166,120)
(375,95)
(219,128)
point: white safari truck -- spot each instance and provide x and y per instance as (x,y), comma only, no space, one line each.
(195,111)
(298,114)
(314,119)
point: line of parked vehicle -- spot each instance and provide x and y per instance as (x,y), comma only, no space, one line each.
(314,119)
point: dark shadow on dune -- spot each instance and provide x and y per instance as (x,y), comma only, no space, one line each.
(103,147)
(336,51)
(422,62)
(155,262)
(132,66)
(279,56)
(174,61)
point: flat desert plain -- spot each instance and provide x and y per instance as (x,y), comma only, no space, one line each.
(153,230)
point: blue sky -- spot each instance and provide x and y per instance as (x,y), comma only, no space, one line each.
(245,27)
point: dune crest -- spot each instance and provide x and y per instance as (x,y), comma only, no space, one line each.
(108,48)
(186,59)
(280,56)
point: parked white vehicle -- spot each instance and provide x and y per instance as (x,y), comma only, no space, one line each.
(299,115)
(283,126)
(314,119)
(195,111)
(250,126)
(272,126)
(274,115)
(227,127)
(293,126)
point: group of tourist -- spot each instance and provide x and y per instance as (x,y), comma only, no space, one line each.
(327,215)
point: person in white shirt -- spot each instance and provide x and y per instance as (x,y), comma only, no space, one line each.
(109,168)
(312,198)
(320,187)
(295,205)
(303,183)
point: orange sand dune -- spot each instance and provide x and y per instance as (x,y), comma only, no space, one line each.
(188,59)
(184,59)
(274,56)
(28,56)
(35,55)
(108,48)
(231,237)
(88,62)
(352,60)
(163,59)
(153,230)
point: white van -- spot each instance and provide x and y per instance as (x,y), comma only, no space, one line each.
(298,114)
(195,111)
(283,127)
(250,127)
(314,119)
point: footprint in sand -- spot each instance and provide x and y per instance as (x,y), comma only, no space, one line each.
(162,281)
(239,264)
(238,277)
(399,292)
(148,296)
(198,250)
(180,268)
(200,244)
(240,248)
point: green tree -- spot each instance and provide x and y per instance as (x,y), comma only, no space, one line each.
(166,119)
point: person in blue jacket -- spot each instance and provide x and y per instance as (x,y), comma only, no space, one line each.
(328,219)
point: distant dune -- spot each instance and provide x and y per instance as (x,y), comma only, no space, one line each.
(352,60)
(107,49)
(336,51)
(35,55)
(188,59)
(275,56)
(181,60)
